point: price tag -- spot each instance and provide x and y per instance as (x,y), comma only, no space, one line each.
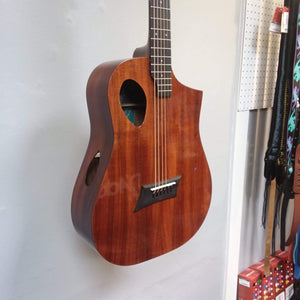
(285,19)
(276,21)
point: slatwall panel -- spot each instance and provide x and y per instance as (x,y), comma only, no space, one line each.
(260,55)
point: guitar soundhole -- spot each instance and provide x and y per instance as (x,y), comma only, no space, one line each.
(133,102)
(92,169)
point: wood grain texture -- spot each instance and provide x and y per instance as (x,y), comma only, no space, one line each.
(101,139)
(103,212)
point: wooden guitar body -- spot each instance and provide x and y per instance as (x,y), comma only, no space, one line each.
(123,158)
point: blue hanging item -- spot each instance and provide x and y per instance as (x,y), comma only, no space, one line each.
(296,260)
(296,255)
(292,138)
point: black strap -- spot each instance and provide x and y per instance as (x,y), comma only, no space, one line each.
(272,152)
(285,202)
(275,154)
(274,141)
(276,222)
(283,96)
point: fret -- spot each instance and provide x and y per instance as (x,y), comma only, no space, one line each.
(162,87)
(166,84)
(162,64)
(158,7)
(160,48)
(160,39)
(166,72)
(162,72)
(160,56)
(160,29)
(163,91)
(163,46)
(160,19)
(167,80)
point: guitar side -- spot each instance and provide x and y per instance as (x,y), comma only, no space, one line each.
(101,138)
(104,211)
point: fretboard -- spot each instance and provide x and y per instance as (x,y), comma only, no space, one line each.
(160,46)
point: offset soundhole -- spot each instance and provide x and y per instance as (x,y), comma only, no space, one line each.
(92,169)
(133,102)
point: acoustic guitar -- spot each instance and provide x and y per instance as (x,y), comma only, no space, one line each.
(144,187)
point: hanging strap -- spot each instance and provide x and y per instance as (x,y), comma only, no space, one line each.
(273,148)
(278,197)
(275,134)
(287,196)
(269,228)
(275,154)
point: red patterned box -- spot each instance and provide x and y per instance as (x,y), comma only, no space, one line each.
(273,284)
(288,270)
(249,285)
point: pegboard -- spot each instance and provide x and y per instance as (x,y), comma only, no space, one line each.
(259,55)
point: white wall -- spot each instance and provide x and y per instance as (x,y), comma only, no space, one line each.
(246,238)
(47,51)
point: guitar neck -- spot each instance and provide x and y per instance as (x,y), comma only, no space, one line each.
(160,46)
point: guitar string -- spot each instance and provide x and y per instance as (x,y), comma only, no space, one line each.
(162,87)
(161,67)
(168,33)
(166,37)
(163,81)
(157,91)
(163,39)
(158,97)
(154,93)
(164,93)
(163,52)
(157,87)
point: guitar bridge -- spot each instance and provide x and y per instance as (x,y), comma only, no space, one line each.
(155,192)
